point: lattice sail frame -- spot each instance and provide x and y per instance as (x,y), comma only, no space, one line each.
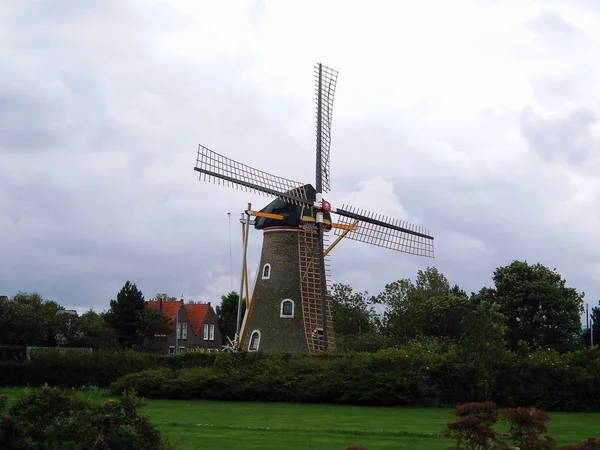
(381,236)
(326,81)
(219,169)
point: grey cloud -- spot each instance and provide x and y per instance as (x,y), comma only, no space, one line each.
(558,90)
(556,30)
(569,137)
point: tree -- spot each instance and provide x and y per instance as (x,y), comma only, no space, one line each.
(429,308)
(152,321)
(352,312)
(540,309)
(95,332)
(355,320)
(29,319)
(124,315)
(227,315)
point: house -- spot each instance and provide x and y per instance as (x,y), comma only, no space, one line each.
(197,327)
(205,325)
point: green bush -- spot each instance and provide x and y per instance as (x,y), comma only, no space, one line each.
(51,418)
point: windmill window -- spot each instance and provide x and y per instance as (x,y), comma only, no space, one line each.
(266,272)
(287,308)
(254,341)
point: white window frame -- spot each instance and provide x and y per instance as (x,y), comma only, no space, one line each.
(287,316)
(211,332)
(184,330)
(178,331)
(268,275)
(206,332)
(257,342)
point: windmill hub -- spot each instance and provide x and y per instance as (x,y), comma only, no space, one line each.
(324,206)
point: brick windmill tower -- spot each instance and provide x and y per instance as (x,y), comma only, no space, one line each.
(290,307)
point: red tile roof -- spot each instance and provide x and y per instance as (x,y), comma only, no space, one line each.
(169,307)
(197,312)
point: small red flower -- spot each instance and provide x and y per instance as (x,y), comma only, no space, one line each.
(5,417)
(111,421)
(147,422)
(103,444)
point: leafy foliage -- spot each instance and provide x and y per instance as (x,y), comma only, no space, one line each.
(51,418)
(540,309)
(526,426)
(426,373)
(30,319)
(474,430)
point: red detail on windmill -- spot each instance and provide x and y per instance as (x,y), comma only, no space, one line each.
(325,206)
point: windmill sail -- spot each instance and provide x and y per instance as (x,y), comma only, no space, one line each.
(220,169)
(386,232)
(326,80)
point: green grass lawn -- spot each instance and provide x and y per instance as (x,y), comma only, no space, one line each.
(241,425)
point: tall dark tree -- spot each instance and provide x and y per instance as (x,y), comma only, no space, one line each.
(227,315)
(539,308)
(124,315)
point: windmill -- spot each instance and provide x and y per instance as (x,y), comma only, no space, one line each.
(289,309)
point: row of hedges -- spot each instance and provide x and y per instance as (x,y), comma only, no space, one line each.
(92,369)
(547,380)
(415,375)
(12,352)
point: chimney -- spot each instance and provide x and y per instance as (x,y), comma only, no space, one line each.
(208,303)
(181,301)
(160,303)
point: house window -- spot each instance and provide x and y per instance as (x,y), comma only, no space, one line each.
(266,272)
(184,330)
(212,332)
(206,332)
(178,331)
(286,308)
(171,350)
(254,341)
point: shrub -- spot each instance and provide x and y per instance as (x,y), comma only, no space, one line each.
(526,426)
(51,418)
(474,429)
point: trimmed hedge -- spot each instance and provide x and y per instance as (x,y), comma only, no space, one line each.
(93,369)
(12,352)
(415,375)
(545,380)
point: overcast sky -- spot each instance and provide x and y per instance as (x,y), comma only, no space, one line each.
(475,118)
